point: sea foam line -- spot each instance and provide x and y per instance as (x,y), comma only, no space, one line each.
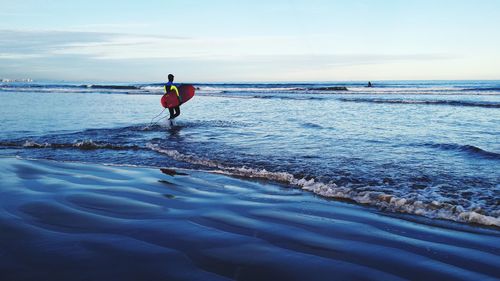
(84,145)
(380,200)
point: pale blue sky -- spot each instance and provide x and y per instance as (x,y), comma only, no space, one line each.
(223,40)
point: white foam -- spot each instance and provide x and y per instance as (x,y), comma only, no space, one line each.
(35,144)
(185,158)
(153,89)
(380,200)
(405,89)
(87,144)
(215,89)
(84,145)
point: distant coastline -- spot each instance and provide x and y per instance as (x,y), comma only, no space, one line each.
(8,80)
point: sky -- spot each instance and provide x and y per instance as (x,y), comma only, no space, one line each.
(248,41)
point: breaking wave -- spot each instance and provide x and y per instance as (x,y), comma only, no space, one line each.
(113,87)
(332,88)
(474,150)
(492,89)
(422,88)
(83,145)
(429,102)
(383,201)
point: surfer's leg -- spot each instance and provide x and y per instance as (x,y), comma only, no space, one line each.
(177,111)
(172,113)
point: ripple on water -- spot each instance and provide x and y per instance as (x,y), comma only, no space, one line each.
(116,206)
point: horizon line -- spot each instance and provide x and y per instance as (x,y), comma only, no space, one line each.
(25,80)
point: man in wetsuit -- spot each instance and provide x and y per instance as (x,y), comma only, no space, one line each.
(169,88)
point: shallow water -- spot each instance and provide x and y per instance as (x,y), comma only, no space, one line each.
(68,221)
(421,147)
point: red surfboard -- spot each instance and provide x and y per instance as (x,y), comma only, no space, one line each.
(170,100)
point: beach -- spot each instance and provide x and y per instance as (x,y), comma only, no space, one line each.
(78,221)
(254,181)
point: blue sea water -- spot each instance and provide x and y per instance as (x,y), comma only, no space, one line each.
(429,148)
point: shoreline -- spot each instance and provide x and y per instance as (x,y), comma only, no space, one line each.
(380,200)
(61,219)
(281,178)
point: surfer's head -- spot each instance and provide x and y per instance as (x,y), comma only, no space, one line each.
(170,78)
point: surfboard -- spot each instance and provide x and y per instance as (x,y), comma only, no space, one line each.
(170,100)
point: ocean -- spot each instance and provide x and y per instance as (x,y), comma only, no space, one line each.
(421,148)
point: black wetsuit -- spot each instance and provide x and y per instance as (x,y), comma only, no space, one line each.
(174,111)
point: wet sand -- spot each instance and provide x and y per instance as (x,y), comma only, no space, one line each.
(74,221)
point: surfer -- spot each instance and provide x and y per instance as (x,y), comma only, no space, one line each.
(369,84)
(169,88)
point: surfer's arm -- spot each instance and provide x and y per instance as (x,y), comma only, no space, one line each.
(174,88)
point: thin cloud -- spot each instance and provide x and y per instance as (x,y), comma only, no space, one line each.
(117,46)
(125,55)
(49,43)
(18,56)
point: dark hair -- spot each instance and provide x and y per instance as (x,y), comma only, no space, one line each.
(170,77)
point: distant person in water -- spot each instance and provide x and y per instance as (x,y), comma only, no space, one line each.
(171,89)
(369,84)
